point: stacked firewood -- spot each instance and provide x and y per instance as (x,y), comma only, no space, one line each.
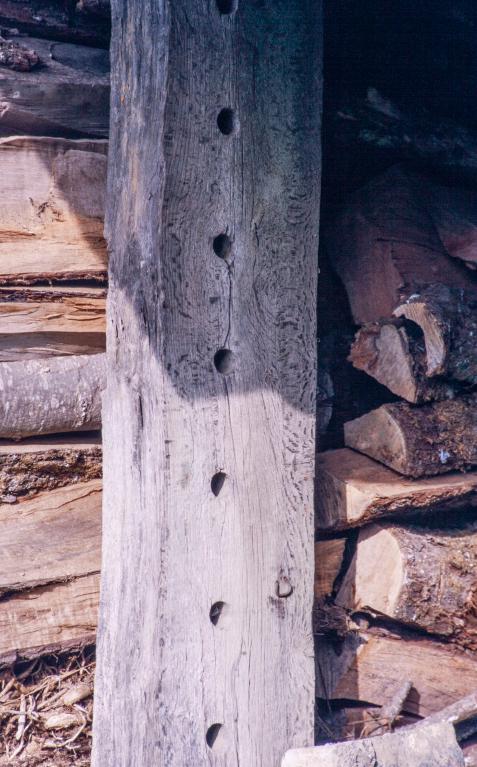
(54,118)
(396,581)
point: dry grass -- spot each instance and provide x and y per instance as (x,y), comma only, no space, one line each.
(45,712)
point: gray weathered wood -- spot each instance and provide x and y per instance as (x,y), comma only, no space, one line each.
(51,395)
(176,544)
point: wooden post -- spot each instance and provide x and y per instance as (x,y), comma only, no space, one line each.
(205,651)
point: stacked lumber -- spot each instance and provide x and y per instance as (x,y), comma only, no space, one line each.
(396,555)
(54,88)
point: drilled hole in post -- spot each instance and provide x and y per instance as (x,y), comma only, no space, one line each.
(224,361)
(216,611)
(227,6)
(227,121)
(212,735)
(217,482)
(222,246)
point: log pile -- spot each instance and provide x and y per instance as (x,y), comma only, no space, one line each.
(396,584)
(54,88)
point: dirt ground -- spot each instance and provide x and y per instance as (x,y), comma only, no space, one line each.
(45,711)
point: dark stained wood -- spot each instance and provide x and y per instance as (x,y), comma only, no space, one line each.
(212,360)
(57,20)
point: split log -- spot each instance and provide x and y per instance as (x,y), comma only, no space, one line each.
(66,95)
(385,247)
(353,490)
(369,667)
(45,463)
(419,441)
(56,21)
(51,221)
(426,579)
(393,356)
(433,744)
(328,560)
(51,396)
(448,320)
(47,619)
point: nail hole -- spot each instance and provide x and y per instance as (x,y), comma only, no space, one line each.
(217,482)
(224,361)
(216,611)
(227,121)
(284,588)
(222,246)
(212,734)
(226,6)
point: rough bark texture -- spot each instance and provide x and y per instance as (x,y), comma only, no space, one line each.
(426,579)
(212,359)
(46,463)
(448,320)
(51,396)
(385,247)
(353,489)
(419,441)
(51,221)
(68,95)
(57,21)
(433,745)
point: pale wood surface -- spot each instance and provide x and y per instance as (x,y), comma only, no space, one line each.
(51,220)
(172,548)
(328,561)
(419,441)
(353,489)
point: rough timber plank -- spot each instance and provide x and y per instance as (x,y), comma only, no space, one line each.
(172,420)
(51,219)
(52,537)
(49,618)
(354,489)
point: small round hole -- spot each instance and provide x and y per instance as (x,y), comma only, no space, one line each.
(215,612)
(222,246)
(226,6)
(227,121)
(217,482)
(212,734)
(224,361)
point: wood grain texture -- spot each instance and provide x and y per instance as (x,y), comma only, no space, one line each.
(68,95)
(354,489)
(51,221)
(172,420)
(328,560)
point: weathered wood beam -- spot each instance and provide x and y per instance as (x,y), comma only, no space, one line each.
(67,94)
(213,231)
(54,395)
(51,220)
(353,490)
(419,441)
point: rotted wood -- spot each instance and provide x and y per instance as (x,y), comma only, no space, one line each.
(385,247)
(50,396)
(70,22)
(433,744)
(213,232)
(66,94)
(426,579)
(51,221)
(46,463)
(419,441)
(354,490)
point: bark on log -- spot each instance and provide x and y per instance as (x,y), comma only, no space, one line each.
(55,21)
(67,95)
(392,355)
(433,744)
(448,320)
(46,463)
(369,667)
(328,560)
(212,354)
(385,247)
(419,441)
(353,490)
(61,323)
(51,396)
(426,579)
(51,221)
